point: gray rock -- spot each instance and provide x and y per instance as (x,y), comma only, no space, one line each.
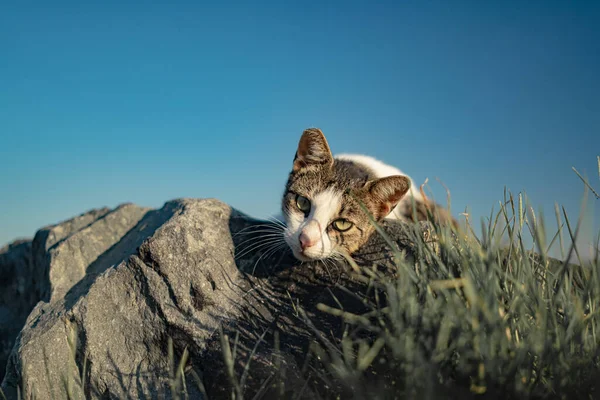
(58,257)
(178,284)
(74,247)
(123,284)
(24,275)
(16,297)
(46,238)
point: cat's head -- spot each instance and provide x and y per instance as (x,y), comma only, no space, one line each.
(322,201)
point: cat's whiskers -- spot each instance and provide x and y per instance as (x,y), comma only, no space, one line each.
(270,227)
(262,235)
(337,256)
(258,228)
(267,253)
(256,249)
(259,243)
(270,235)
(276,222)
(326,263)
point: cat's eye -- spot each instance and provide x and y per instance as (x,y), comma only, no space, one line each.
(303,204)
(342,225)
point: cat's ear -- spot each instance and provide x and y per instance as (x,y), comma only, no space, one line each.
(313,150)
(385,193)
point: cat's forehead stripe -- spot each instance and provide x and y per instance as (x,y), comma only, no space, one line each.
(327,204)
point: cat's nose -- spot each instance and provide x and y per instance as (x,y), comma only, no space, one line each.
(305,241)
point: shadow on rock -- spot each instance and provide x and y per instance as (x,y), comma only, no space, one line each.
(280,321)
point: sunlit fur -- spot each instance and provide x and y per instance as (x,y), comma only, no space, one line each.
(337,188)
(334,193)
(379,169)
(354,187)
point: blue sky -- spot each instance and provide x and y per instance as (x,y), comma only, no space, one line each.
(117,102)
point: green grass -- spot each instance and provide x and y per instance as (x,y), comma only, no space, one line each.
(474,319)
(477,316)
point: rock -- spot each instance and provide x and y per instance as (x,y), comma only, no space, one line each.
(48,237)
(57,258)
(16,295)
(123,284)
(66,252)
(179,284)
(24,270)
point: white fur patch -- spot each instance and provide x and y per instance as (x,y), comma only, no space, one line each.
(324,208)
(381,170)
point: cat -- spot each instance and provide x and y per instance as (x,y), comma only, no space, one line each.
(321,205)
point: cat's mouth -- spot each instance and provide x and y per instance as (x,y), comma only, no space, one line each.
(303,256)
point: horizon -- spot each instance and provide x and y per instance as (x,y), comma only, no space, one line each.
(104,104)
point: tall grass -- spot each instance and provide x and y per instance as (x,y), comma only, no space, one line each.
(475,316)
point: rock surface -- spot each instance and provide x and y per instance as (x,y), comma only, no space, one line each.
(118,287)
(58,257)
(17,296)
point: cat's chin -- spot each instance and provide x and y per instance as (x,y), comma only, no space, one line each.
(305,258)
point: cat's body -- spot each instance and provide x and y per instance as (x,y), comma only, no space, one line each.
(377,169)
(325,199)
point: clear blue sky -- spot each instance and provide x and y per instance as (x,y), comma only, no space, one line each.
(131,102)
